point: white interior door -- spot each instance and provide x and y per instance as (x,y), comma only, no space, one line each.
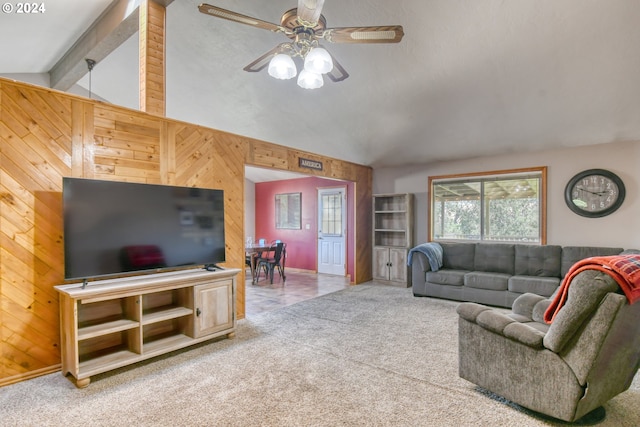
(332,224)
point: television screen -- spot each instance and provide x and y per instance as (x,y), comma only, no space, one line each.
(112,227)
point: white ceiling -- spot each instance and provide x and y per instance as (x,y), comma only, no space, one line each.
(470,78)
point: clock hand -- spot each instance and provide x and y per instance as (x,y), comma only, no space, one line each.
(601,193)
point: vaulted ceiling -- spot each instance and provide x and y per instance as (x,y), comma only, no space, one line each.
(470,78)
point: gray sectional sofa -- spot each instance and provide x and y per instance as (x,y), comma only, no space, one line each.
(496,273)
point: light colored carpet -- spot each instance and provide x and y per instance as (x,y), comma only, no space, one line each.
(370,355)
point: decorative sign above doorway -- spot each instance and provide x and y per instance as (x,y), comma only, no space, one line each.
(309,164)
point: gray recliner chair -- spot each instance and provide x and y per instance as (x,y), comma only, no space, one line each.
(566,370)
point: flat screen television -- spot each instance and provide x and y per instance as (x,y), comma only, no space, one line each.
(111,228)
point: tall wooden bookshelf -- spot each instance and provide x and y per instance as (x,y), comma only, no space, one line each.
(392,237)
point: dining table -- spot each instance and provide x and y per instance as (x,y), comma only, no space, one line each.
(253,251)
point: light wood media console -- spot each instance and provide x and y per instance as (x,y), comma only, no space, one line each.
(112,323)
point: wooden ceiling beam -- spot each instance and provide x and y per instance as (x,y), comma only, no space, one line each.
(116,24)
(112,28)
(152,52)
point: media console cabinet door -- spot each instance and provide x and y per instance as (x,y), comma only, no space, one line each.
(214,307)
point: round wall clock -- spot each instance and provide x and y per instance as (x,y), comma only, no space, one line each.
(594,193)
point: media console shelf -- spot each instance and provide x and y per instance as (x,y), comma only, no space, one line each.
(113,323)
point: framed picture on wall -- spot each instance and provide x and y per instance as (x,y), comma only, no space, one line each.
(288,207)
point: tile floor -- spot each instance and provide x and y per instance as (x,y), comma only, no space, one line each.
(299,286)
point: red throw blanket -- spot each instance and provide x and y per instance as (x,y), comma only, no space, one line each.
(625,269)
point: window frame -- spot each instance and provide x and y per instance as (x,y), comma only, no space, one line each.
(498,174)
(288,211)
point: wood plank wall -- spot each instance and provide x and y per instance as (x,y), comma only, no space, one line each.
(46,135)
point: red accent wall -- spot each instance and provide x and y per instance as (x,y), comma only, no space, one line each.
(302,245)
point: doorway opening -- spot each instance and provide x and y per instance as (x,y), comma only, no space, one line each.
(303,244)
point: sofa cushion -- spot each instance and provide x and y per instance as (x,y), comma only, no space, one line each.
(630,252)
(447,277)
(525,333)
(458,256)
(525,304)
(544,286)
(533,260)
(529,308)
(539,326)
(494,321)
(494,257)
(573,254)
(483,280)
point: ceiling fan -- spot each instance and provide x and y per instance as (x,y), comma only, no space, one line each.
(306,27)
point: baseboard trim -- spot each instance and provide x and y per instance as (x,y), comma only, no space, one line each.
(30,375)
(300,270)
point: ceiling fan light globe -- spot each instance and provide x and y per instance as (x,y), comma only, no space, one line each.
(282,67)
(318,61)
(310,80)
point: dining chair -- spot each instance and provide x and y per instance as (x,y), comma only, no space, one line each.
(268,253)
(275,259)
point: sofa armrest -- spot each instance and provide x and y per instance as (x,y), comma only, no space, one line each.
(470,310)
(501,324)
(420,263)
(419,268)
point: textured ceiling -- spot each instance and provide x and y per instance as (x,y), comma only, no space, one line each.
(470,78)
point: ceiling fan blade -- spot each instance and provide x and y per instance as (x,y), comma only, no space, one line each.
(262,62)
(309,12)
(337,73)
(242,19)
(375,34)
